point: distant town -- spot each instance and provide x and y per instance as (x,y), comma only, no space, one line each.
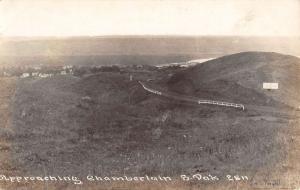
(35,71)
(45,71)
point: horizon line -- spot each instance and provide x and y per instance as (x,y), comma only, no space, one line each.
(147,35)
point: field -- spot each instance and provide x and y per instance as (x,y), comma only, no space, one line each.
(105,124)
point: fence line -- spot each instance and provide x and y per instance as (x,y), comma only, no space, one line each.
(200,101)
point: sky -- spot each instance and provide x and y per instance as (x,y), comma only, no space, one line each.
(149,17)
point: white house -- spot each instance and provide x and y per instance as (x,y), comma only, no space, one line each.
(44,75)
(25,75)
(63,72)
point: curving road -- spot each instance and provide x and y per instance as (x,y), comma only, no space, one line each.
(267,109)
(192,99)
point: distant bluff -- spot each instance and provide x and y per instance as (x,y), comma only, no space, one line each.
(239,77)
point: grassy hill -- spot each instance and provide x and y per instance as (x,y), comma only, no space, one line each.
(105,124)
(239,77)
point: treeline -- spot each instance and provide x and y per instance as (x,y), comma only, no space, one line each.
(74,70)
(80,71)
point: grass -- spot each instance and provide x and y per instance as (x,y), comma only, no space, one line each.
(110,135)
(122,130)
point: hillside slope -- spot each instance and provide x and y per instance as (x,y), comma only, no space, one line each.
(106,124)
(239,77)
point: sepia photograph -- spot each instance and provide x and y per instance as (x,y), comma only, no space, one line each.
(149,94)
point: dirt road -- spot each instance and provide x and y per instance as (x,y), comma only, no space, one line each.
(191,99)
(196,100)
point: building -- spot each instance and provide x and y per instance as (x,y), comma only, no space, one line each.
(63,72)
(44,75)
(25,75)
